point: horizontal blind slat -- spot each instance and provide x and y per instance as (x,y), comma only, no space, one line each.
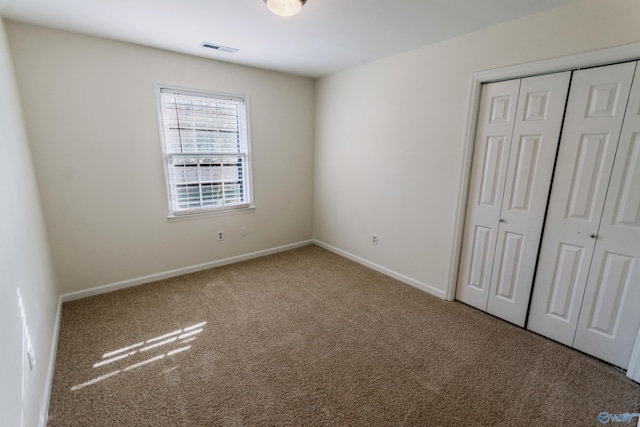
(207,150)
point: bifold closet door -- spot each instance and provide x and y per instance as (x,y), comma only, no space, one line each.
(490,157)
(533,151)
(510,178)
(610,315)
(593,121)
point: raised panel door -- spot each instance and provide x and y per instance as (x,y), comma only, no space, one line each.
(534,146)
(494,130)
(595,111)
(610,315)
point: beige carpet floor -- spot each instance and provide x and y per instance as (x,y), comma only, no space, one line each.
(305,338)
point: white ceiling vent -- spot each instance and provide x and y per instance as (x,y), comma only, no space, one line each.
(218,47)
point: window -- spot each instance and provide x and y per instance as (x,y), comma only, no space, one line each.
(206,148)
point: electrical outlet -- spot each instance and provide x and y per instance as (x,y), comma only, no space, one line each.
(374,239)
(243,231)
(220,235)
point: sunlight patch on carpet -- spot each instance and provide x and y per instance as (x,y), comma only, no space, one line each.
(177,337)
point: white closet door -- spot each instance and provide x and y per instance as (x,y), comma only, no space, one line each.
(533,151)
(610,315)
(594,116)
(486,188)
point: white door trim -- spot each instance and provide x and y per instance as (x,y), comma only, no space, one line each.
(594,58)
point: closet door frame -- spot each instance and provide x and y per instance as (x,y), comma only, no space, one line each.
(628,52)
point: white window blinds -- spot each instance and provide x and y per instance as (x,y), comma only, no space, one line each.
(206,151)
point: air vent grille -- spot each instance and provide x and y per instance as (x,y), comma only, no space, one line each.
(218,47)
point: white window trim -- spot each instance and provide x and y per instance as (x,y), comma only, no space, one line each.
(206,214)
(248,181)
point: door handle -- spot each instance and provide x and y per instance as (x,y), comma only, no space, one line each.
(502,220)
(594,236)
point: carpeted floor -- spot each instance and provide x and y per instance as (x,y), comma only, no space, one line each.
(305,338)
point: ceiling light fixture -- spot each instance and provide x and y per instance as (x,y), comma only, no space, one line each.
(285,7)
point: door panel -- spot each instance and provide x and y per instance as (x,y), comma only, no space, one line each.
(589,175)
(533,150)
(611,285)
(604,100)
(491,153)
(563,302)
(479,259)
(610,317)
(526,163)
(627,211)
(491,170)
(595,111)
(510,264)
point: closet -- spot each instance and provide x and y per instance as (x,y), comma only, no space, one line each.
(586,292)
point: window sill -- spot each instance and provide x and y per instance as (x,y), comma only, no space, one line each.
(187,217)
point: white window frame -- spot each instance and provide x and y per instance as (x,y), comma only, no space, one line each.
(177,213)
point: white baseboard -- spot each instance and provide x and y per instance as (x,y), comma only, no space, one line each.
(46,398)
(398,276)
(177,272)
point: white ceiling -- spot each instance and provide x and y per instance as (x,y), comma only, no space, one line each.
(327,36)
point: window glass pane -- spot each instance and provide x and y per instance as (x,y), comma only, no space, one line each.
(206,146)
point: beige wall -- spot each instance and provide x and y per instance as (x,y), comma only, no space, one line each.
(387,159)
(90,110)
(388,146)
(389,135)
(28,293)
